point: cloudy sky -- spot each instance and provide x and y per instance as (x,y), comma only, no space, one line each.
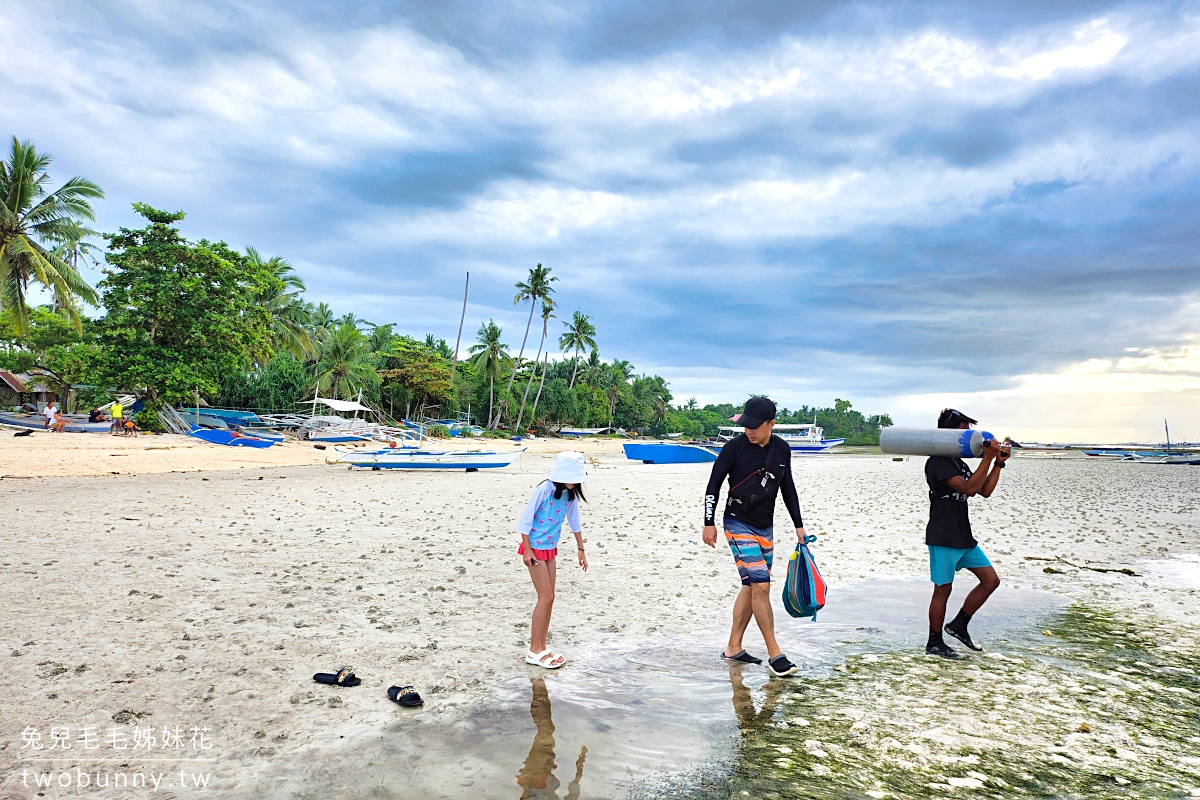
(904,204)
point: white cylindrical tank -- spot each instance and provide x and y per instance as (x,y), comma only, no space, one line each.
(950,442)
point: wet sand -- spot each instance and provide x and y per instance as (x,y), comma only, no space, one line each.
(208,599)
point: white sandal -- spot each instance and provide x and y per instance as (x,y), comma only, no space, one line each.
(544,659)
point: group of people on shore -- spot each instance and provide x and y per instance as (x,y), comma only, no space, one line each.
(757,467)
(56,421)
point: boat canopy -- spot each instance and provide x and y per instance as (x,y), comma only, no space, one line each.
(339,405)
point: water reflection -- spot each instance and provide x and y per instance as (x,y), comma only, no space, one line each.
(749,720)
(536,778)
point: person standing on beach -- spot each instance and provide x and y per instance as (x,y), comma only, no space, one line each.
(554,501)
(758,465)
(948,535)
(117,410)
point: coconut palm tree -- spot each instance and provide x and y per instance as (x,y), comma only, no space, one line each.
(652,394)
(490,358)
(290,316)
(343,360)
(536,287)
(580,334)
(33,223)
(547,315)
(617,388)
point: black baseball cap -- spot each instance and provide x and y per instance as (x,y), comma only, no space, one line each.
(757,411)
(952,418)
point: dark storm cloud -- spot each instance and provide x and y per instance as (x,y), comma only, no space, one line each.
(881,198)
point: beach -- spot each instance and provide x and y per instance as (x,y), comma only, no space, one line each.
(202,586)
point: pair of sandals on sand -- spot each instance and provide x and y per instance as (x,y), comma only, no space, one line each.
(547,659)
(406,696)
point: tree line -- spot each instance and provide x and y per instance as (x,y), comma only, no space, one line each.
(188,319)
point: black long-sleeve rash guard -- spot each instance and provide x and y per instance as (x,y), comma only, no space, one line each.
(739,459)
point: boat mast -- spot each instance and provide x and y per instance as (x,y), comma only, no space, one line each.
(454,363)
(1168,430)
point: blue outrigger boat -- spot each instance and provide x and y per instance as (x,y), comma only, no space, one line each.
(668,453)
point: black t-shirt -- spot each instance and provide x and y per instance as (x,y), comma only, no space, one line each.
(948,525)
(94,415)
(739,459)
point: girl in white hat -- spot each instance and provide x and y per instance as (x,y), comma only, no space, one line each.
(554,501)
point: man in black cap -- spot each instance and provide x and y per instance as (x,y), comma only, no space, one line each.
(951,545)
(759,467)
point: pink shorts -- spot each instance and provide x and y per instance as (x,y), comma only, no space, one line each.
(540,555)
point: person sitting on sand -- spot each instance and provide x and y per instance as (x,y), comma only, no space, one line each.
(118,411)
(948,535)
(554,501)
(759,467)
(60,422)
(96,415)
(49,412)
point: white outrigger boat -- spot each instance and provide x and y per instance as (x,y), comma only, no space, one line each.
(806,438)
(420,458)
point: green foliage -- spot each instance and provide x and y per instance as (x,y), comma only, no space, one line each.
(438,432)
(50,342)
(414,374)
(179,315)
(279,385)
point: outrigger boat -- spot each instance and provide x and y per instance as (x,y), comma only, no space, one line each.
(805,438)
(418,458)
(76,423)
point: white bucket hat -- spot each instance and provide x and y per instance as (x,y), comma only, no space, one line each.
(569,467)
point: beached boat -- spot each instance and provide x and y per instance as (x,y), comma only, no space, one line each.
(584,431)
(231,438)
(227,415)
(76,423)
(668,453)
(419,458)
(806,438)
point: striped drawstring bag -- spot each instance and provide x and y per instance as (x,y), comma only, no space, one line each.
(804,589)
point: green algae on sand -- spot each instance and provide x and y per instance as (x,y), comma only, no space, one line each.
(1098,706)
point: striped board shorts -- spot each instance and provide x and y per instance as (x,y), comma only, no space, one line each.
(752,548)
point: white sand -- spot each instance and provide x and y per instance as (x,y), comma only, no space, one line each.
(210,598)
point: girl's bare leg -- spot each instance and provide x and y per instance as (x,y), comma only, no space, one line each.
(543,574)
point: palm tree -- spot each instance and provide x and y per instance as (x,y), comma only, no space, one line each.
(595,372)
(536,287)
(619,373)
(343,360)
(580,334)
(33,222)
(490,358)
(380,338)
(547,315)
(290,316)
(651,393)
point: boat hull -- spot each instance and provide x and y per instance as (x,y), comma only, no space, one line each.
(407,458)
(813,446)
(667,453)
(38,422)
(229,438)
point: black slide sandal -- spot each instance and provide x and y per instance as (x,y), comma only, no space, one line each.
(406,696)
(343,677)
(741,658)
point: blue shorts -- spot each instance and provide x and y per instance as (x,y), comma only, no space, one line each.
(945,561)
(752,550)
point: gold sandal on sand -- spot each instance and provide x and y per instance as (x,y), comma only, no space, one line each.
(544,659)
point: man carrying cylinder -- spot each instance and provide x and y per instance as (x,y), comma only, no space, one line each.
(951,544)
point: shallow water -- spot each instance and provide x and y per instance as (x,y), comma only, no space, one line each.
(670,717)
(1183,571)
